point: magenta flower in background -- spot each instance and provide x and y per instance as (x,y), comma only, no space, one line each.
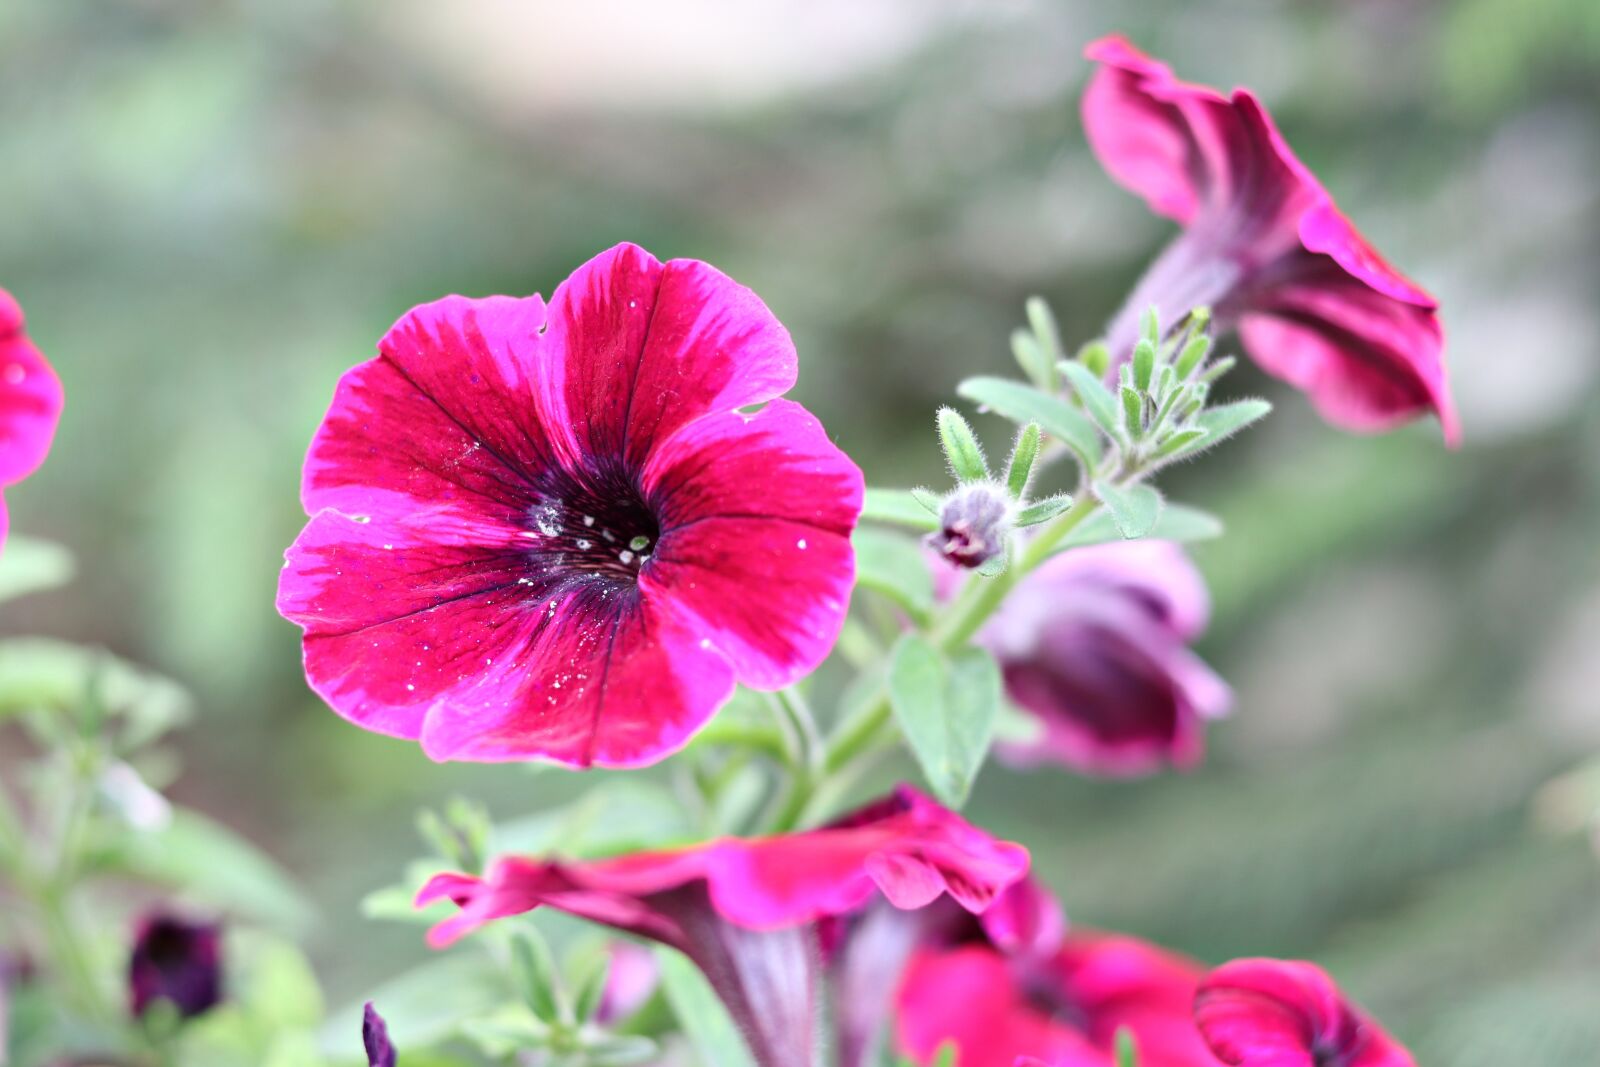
(30,403)
(549,531)
(176,960)
(631,980)
(1094,645)
(1286,1013)
(1264,246)
(746,910)
(1060,1004)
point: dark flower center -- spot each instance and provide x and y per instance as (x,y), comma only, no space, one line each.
(594,526)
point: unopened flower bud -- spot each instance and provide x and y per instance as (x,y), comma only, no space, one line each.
(974,523)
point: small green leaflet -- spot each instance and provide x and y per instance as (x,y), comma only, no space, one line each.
(1134,508)
(1225,420)
(1177,522)
(947,707)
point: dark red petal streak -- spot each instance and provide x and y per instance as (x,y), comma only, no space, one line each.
(756,513)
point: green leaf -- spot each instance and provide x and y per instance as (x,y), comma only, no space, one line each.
(894,566)
(1144,364)
(1181,444)
(898,507)
(1134,508)
(1043,510)
(1132,412)
(216,866)
(1043,322)
(947,708)
(270,978)
(1177,522)
(1194,351)
(537,978)
(37,674)
(1226,420)
(1019,470)
(1022,404)
(704,1020)
(1097,399)
(28,565)
(1030,357)
(423,1006)
(961,448)
(591,988)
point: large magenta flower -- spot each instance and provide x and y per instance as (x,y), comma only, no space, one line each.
(1059,1001)
(1286,1013)
(1094,645)
(747,911)
(551,532)
(30,402)
(1264,246)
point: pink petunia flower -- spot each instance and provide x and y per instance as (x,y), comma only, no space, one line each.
(1094,645)
(1059,1004)
(1286,1013)
(1264,246)
(746,911)
(30,402)
(551,532)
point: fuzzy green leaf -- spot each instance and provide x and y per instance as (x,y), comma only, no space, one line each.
(897,507)
(1097,399)
(948,708)
(893,565)
(1022,404)
(1134,508)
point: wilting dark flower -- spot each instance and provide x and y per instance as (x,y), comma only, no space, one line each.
(552,533)
(746,910)
(30,402)
(1287,1013)
(1095,646)
(178,961)
(1264,246)
(375,1036)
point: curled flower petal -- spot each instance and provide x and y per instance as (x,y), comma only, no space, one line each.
(534,530)
(1264,246)
(745,909)
(1287,1013)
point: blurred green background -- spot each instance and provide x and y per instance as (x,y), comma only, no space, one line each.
(211,209)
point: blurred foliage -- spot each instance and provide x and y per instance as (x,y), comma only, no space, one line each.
(211,209)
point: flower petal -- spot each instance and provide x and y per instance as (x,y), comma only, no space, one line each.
(968,996)
(30,398)
(756,513)
(452,410)
(1367,361)
(1287,1013)
(642,349)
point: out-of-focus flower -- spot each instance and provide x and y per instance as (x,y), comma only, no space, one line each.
(1094,645)
(375,1037)
(30,402)
(1287,1013)
(1059,999)
(549,532)
(745,910)
(175,960)
(630,981)
(1264,246)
